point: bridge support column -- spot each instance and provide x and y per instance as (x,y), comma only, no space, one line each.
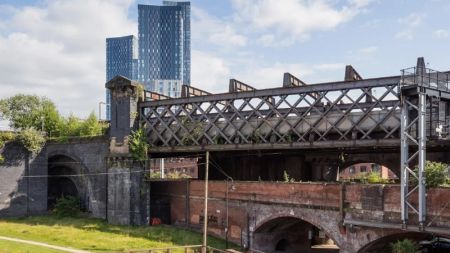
(128,193)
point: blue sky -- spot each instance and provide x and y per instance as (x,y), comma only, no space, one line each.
(57,49)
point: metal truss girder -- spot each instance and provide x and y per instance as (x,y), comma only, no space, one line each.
(276,116)
(334,86)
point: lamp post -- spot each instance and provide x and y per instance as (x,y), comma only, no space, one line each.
(100,109)
(205,210)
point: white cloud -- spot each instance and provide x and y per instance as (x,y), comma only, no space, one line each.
(413,19)
(409,24)
(294,19)
(58,50)
(441,33)
(368,50)
(214,30)
(209,72)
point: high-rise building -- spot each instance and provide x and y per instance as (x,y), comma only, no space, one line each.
(121,59)
(164,45)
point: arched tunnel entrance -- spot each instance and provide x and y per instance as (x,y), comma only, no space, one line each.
(289,234)
(62,181)
(421,240)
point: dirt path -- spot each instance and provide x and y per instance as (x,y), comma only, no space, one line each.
(43,245)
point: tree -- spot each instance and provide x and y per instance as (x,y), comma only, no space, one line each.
(71,126)
(404,246)
(31,139)
(435,174)
(31,111)
(91,126)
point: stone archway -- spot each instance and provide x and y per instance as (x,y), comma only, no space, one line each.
(65,180)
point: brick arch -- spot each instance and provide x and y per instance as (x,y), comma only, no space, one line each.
(327,221)
(392,236)
(391,161)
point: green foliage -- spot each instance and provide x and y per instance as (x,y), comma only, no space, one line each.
(90,126)
(155,175)
(31,139)
(372,178)
(71,126)
(404,246)
(177,175)
(138,145)
(195,132)
(67,206)
(31,111)
(2,159)
(287,178)
(140,91)
(435,173)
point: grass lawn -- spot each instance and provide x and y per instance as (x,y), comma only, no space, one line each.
(17,247)
(96,235)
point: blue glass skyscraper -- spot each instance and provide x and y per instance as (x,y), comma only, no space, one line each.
(121,59)
(164,44)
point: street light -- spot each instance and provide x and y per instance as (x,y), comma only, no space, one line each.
(100,109)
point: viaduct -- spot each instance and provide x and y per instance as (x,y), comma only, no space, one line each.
(311,131)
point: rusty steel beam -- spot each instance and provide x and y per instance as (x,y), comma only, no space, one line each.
(238,86)
(290,80)
(154,96)
(190,91)
(351,74)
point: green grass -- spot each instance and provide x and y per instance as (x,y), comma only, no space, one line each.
(17,247)
(96,235)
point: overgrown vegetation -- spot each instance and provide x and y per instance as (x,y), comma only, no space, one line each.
(287,178)
(67,206)
(31,139)
(5,137)
(177,175)
(436,174)
(373,177)
(138,145)
(404,246)
(195,132)
(36,118)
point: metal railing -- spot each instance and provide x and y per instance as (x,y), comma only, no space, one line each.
(418,76)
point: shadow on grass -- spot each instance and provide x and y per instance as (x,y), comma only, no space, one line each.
(165,234)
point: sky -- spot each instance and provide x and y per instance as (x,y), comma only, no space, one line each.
(56,48)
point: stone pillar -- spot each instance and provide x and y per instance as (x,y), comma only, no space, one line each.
(127,191)
(124,108)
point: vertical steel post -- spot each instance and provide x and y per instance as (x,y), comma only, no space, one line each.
(205,210)
(422,157)
(404,175)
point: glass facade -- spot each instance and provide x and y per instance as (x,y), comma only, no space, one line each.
(164,44)
(121,59)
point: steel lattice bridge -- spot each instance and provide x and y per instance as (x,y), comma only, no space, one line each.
(356,112)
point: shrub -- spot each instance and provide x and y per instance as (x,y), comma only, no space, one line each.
(2,159)
(287,178)
(375,178)
(31,139)
(67,206)
(435,174)
(177,175)
(138,145)
(404,246)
